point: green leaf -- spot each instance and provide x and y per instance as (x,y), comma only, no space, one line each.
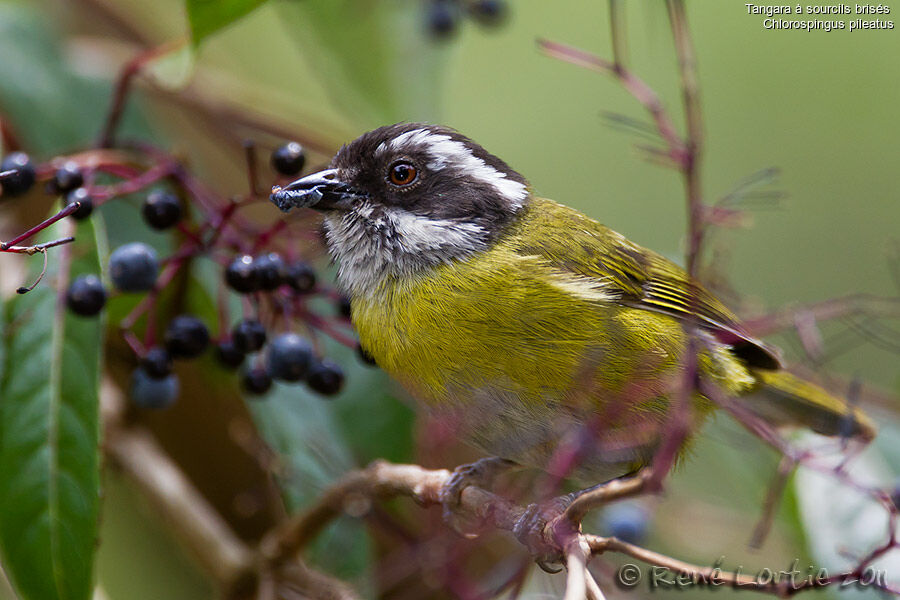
(209,16)
(49,437)
(375,56)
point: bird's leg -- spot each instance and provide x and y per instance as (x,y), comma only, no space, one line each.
(565,519)
(529,530)
(481,473)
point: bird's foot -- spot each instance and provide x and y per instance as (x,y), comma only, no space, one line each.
(531,531)
(480,473)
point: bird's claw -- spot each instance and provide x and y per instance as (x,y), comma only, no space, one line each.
(480,473)
(530,527)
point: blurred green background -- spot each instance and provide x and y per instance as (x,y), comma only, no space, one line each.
(822,107)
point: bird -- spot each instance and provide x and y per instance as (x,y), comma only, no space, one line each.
(526,324)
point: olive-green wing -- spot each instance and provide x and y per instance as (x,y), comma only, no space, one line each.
(571,241)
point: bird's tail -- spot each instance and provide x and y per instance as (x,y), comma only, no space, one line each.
(786,400)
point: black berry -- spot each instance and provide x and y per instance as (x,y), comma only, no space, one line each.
(364,356)
(249,335)
(67,178)
(626,521)
(242,275)
(148,392)
(289,357)
(442,18)
(272,270)
(256,381)
(133,267)
(157,362)
(86,295)
(289,159)
(301,277)
(186,337)
(22,177)
(325,377)
(895,495)
(161,209)
(489,12)
(81,196)
(229,355)
(344,307)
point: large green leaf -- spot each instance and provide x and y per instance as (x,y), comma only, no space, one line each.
(208,16)
(375,56)
(49,437)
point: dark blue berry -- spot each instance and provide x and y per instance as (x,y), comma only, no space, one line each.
(442,18)
(289,357)
(21,177)
(364,356)
(344,307)
(228,355)
(626,521)
(271,269)
(325,377)
(242,275)
(289,159)
(489,12)
(81,196)
(67,178)
(148,392)
(249,335)
(157,362)
(256,381)
(161,209)
(133,267)
(86,295)
(186,337)
(301,277)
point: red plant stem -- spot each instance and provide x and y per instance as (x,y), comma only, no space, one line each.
(326,327)
(222,311)
(39,247)
(684,49)
(252,167)
(122,89)
(135,184)
(10,140)
(134,343)
(268,234)
(65,212)
(171,269)
(642,92)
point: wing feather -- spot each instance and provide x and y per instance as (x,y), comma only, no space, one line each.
(631,275)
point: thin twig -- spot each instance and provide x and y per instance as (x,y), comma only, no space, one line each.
(642,92)
(577,552)
(65,212)
(773,498)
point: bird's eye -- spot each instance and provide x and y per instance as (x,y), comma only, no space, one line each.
(402,173)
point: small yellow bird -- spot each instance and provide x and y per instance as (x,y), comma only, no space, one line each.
(524,321)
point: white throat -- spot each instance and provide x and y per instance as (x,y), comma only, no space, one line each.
(371,244)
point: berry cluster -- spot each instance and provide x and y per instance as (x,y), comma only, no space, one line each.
(270,283)
(443,17)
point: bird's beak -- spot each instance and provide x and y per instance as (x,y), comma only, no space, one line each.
(322,191)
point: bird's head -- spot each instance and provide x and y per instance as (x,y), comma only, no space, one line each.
(407,197)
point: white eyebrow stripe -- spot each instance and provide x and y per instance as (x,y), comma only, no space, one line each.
(445,151)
